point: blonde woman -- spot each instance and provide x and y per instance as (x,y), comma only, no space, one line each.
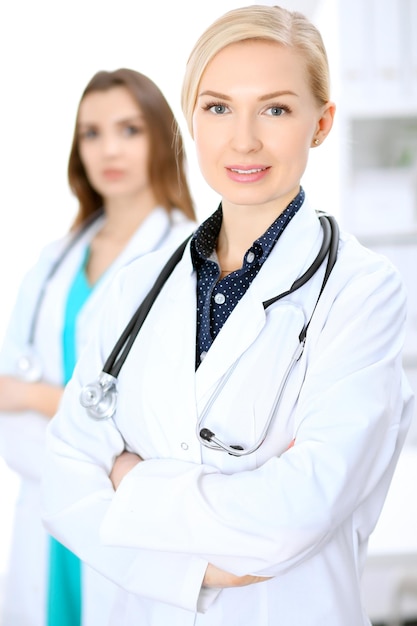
(262,406)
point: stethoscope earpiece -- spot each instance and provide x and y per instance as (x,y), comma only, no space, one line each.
(100,398)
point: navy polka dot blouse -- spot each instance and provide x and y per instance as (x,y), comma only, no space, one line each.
(217,298)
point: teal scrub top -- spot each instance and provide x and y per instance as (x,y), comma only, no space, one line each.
(64,579)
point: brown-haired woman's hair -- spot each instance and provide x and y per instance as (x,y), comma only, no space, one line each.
(166,155)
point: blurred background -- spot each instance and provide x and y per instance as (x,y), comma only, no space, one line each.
(365,173)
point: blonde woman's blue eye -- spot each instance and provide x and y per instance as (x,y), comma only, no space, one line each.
(276,111)
(218,109)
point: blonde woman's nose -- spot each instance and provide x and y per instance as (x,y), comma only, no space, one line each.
(245,135)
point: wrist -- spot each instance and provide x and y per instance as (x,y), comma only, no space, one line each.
(42,398)
(25,394)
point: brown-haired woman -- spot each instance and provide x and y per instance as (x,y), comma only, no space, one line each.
(127,169)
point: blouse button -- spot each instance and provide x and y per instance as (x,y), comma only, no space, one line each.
(219,298)
(250,257)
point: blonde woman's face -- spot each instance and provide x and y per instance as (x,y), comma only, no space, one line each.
(114,143)
(254,123)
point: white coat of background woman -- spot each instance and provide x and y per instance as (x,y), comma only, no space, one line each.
(126,168)
(192,534)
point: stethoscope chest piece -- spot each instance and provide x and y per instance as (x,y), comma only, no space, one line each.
(99,398)
(28,366)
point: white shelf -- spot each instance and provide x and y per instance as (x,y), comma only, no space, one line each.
(370,109)
(403,239)
(378,129)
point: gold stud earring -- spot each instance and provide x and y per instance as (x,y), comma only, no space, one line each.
(316,142)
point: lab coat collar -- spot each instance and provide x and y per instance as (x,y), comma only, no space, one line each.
(149,236)
(300,241)
(294,252)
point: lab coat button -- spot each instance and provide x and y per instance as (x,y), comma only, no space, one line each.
(184,445)
(250,257)
(219,298)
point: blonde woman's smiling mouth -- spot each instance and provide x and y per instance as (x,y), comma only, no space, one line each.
(247,174)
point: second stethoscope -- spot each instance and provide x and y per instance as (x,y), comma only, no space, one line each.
(29,364)
(100,397)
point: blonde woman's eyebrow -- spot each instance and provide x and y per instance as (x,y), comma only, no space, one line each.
(214,94)
(277,94)
(267,96)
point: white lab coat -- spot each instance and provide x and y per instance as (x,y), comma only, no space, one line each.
(22,435)
(301,516)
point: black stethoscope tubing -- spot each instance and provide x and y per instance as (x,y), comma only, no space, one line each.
(119,354)
(329,246)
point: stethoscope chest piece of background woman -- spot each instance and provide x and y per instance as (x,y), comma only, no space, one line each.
(99,398)
(29,365)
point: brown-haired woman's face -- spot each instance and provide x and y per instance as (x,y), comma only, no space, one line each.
(114,144)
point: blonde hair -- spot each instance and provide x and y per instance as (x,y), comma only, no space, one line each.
(271,23)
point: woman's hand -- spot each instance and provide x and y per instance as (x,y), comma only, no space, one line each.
(215,577)
(122,465)
(19,395)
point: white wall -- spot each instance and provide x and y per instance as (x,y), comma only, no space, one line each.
(48,52)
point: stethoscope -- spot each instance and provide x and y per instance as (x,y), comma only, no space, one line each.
(29,364)
(99,398)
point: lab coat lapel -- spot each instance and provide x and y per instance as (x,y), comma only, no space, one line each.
(147,237)
(52,312)
(293,253)
(180,301)
(175,309)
